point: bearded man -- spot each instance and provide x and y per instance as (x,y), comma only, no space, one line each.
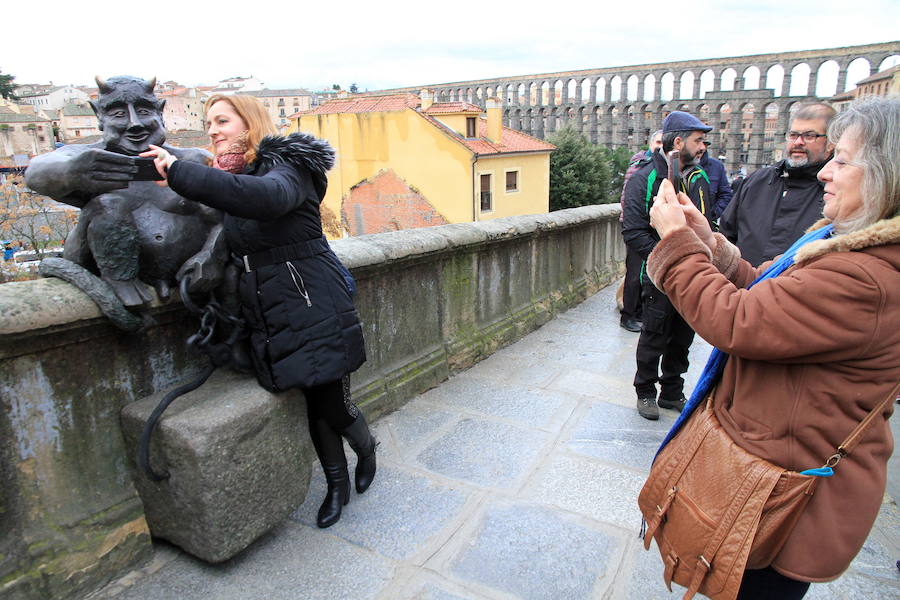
(776,204)
(662,350)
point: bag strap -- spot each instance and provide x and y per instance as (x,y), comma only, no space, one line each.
(855,437)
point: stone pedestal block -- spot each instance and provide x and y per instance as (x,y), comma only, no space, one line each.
(238,459)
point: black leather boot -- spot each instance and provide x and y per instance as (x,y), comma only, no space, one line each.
(330,450)
(363,443)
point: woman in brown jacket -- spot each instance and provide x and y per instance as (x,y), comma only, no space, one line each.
(812,350)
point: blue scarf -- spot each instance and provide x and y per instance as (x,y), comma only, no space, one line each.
(716,363)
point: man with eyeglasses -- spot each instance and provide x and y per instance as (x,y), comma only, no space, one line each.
(776,204)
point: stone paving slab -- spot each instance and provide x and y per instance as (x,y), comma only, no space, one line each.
(515,480)
(619,435)
(291,562)
(534,552)
(396,518)
(484,453)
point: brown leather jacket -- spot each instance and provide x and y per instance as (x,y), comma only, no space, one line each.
(812,352)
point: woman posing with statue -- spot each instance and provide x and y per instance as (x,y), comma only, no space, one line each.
(295,294)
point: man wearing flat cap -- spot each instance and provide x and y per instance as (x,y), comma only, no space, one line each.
(662,351)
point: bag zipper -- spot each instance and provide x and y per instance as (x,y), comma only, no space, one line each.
(295,275)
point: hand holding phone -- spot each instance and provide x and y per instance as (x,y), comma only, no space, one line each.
(146,170)
(674,174)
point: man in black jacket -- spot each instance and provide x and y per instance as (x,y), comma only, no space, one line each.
(664,334)
(776,204)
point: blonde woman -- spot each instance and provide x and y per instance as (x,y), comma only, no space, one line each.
(295,294)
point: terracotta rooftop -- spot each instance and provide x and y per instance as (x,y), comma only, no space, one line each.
(445,108)
(849,95)
(77,110)
(267,93)
(886,74)
(511,140)
(176,91)
(364,104)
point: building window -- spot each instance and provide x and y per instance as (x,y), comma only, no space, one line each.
(77,133)
(470,127)
(486,200)
(512,181)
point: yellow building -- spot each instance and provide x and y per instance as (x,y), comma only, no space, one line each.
(403,162)
(883,83)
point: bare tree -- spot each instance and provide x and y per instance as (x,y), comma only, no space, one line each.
(31,220)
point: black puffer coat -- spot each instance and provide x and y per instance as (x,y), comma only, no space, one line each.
(304,330)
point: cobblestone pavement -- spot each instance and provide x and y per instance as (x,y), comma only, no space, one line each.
(515,479)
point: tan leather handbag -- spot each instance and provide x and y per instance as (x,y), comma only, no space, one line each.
(716,510)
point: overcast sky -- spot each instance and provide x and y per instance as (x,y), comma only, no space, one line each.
(313,45)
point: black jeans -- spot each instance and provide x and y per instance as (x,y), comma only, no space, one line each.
(664,343)
(631,298)
(769,584)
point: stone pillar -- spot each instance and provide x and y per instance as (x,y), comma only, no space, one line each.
(676,88)
(786,82)
(623,128)
(717,81)
(695,87)
(813,78)
(639,134)
(842,79)
(784,121)
(606,129)
(592,92)
(735,139)
(565,93)
(640,90)
(537,123)
(757,137)
(592,124)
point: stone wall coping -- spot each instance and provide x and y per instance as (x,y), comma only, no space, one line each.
(52,303)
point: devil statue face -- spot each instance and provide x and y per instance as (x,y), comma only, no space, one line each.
(130,115)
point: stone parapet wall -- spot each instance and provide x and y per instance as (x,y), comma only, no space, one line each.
(433,301)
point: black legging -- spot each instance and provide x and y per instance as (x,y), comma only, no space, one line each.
(331,402)
(769,584)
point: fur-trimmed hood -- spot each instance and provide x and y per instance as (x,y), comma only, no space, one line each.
(299,149)
(883,232)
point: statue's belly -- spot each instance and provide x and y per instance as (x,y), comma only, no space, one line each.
(167,240)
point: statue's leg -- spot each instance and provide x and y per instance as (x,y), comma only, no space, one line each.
(113,239)
(76,248)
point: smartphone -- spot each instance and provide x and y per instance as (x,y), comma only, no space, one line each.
(146,170)
(674,169)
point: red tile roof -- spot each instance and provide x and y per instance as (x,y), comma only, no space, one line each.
(445,108)
(364,104)
(511,140)
(886,74)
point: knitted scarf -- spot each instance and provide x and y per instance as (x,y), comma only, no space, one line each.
(717,359)
(232,159)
